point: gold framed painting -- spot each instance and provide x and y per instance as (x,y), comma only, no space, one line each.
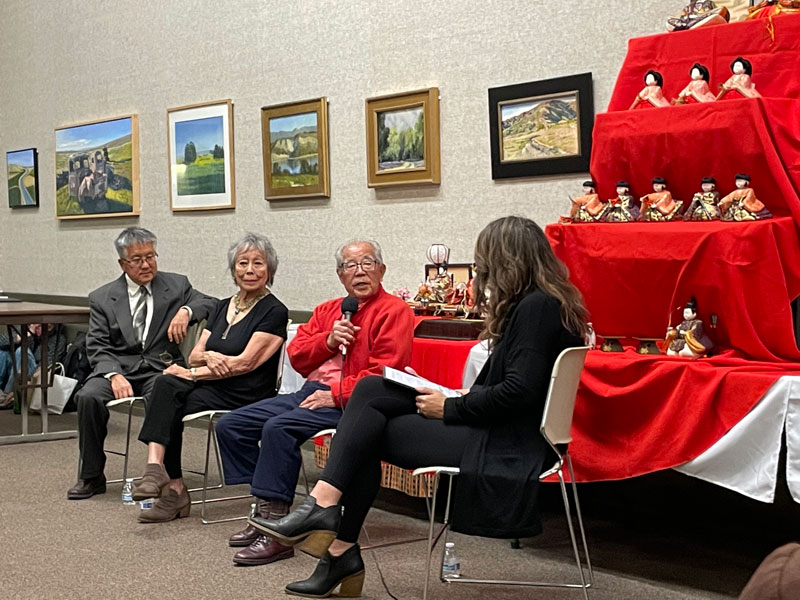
(403,139)
(97,169)
(294,141)
(200,152)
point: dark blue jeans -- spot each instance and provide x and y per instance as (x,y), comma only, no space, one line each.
(282,427)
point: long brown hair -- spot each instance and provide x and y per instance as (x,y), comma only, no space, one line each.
(514,258)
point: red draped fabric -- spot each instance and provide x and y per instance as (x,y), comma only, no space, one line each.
(775,67)
(638,414)
(634,275)
(441,361)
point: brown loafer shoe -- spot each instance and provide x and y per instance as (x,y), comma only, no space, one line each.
(263,551)
(245,537)
(153,484)
(171,505)
(86,488)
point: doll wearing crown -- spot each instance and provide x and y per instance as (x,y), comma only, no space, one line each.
(659,205)
(688,339)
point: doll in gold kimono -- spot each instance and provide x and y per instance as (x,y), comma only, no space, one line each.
(688,339)
(704,204)
(659,205)
(587,208)
(741,204)
(621,209)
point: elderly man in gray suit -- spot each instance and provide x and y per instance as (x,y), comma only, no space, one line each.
(135,325)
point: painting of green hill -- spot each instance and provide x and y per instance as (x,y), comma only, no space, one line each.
(539,129)
(205,175)
(21,167)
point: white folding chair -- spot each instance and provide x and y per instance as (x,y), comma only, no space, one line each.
(555,428)
(211,438)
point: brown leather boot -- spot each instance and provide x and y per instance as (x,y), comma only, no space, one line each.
(153,484)
(262,552)
(171,505)
(250,534)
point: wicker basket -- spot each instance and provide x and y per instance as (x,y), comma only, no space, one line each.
(392,477)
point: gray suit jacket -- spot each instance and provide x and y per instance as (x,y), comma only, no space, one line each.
(110,342)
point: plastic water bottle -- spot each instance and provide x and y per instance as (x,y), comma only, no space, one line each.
(451,566)
(146,504)
(127,493)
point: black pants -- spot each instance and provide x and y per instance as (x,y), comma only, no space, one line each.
(93,415)
(380,423)
(172,399)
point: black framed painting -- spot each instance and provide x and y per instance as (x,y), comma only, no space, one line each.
(541,127)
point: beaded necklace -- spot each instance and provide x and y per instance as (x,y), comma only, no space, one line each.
(237,308)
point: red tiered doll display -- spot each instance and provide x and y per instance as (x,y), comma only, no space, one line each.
(637,414)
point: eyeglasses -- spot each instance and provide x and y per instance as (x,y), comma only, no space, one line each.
(367,264)
(137,261)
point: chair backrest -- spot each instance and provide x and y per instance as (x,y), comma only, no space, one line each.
(282,358)
(193,333)
(557,416)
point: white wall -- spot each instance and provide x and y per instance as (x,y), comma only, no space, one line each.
(68,62)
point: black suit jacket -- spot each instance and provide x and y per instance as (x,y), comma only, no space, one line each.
(110,342)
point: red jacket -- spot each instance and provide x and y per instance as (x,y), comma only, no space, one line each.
(385,339)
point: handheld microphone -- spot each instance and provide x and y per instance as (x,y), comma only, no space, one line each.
(349,308)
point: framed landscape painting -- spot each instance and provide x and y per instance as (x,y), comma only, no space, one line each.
(97,169)
(294,139)
(23,178)
(403,139)
(200,149)
(542,127)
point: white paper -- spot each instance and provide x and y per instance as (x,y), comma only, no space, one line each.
(413,381)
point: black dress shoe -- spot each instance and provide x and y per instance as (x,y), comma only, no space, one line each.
(263,551)
(305,520)
(86,488)
(346,570)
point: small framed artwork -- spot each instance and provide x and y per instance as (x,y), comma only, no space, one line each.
(200,151)
(23,178)
(460,272)
(97,169)
(403,139)
(542,127)
(294,139)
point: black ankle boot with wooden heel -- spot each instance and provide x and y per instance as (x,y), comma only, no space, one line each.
(307,519)
(345,571)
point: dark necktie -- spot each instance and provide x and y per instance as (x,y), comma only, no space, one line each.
(140,315)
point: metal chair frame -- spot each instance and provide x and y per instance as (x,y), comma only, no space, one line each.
(131,400)
(211,438)
(555,426)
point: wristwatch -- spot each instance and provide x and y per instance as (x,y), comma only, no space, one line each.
(193,373)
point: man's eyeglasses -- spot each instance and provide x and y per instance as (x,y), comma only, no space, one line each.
(137,261)
(367,264)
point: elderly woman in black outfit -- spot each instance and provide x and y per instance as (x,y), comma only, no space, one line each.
(234,363)
(491,432)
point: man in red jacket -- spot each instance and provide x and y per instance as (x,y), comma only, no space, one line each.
(379,334)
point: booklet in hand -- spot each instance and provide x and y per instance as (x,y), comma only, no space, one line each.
(413,381)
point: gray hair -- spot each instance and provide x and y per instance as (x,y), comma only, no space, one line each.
(131,236)
(254,241)
(376,250)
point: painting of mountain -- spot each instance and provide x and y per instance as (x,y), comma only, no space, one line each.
(540,128)
(294,150)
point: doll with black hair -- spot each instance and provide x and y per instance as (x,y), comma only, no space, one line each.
(740,81)
(651,94)
(697,89)
(688,339)
(704,203)
(659,205)
(741,204)
(588,207)
(621,209)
